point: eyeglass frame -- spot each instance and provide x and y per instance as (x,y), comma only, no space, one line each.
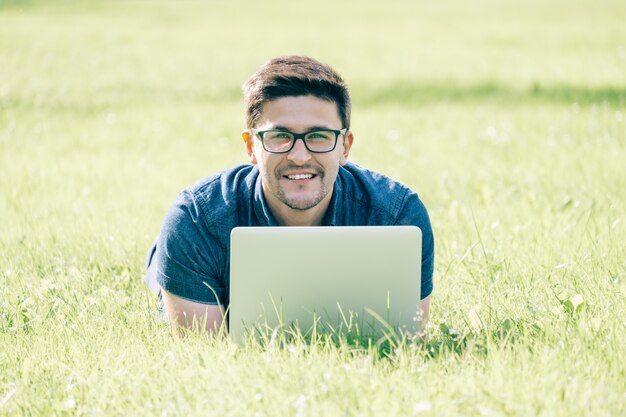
(301,136)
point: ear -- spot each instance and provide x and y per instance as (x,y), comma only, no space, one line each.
(347,144)
(248,138)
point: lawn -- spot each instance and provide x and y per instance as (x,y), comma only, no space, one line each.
(508,119)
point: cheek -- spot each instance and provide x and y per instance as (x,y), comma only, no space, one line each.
(266,163)
(257,154)
(338,160)
(342,155)
(332,167)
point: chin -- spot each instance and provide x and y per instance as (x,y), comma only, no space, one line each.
(302,203)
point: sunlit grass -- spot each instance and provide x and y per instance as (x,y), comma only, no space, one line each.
(507,119)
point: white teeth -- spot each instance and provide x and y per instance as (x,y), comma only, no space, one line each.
(300,176)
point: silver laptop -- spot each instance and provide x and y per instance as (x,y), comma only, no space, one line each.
(324,279)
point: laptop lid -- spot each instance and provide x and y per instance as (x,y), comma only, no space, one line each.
(282,276)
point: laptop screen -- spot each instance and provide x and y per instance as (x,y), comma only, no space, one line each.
(333,277)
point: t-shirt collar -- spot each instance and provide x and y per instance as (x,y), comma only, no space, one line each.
(262,211)
(331,218)
(266,218)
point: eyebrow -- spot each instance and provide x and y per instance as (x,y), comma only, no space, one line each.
(311,128)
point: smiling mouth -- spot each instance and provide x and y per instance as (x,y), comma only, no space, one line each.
(299,173)
(293,177)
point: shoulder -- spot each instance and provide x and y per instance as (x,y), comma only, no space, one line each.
(212,199)
(372,180)
(224,182)
(377,191)
(220,191)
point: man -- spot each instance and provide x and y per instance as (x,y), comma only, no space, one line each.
(298,141)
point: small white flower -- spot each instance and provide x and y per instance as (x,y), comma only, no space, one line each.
(422,407)
(300,401)
(8,396)
(70,402)
(299,405)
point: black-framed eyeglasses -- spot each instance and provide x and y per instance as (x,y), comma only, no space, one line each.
(282,141)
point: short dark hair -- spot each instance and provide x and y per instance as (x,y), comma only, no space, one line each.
(292,76)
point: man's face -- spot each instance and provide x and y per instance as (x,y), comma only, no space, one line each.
(299,179)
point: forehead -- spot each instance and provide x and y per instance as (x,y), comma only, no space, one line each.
(299,113)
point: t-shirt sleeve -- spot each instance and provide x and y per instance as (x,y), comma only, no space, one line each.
(188,255)
(413,213)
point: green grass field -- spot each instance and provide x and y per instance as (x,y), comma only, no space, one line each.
(508,118)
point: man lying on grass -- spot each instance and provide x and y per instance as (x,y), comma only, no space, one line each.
(297,139)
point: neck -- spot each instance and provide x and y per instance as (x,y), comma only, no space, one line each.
(286,216)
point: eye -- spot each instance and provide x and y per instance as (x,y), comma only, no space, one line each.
(320,135)
(278,135)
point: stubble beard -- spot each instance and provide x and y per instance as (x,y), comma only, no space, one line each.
(300,204)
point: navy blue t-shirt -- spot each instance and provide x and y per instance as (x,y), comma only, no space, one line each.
(193,249)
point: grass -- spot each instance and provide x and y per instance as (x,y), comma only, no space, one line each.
(506,118)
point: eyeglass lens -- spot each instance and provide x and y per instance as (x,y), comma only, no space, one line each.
(317,141)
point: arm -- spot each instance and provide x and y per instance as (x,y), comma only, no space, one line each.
(188,269)
(414,213)
(424,310)
(184,314)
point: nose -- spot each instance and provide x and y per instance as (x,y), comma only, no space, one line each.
(299,154)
